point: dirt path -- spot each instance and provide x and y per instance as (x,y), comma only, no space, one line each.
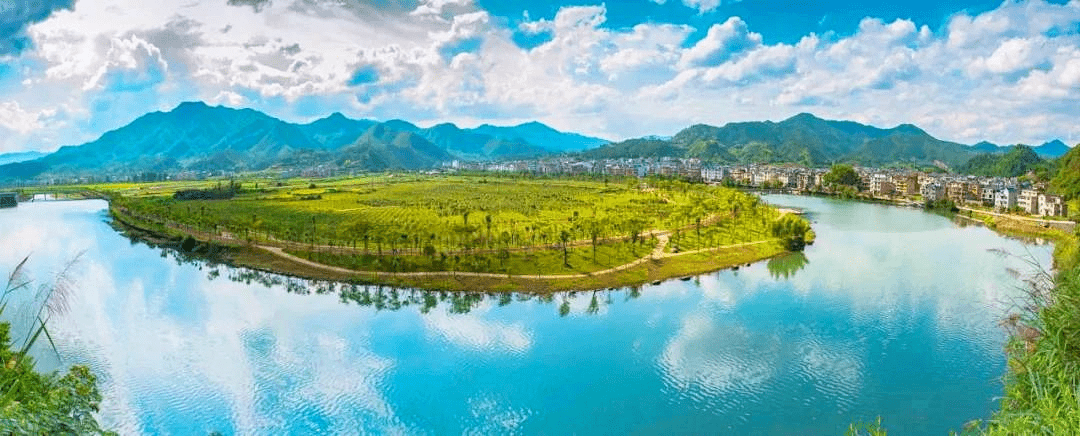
(657,253)
(1019,218)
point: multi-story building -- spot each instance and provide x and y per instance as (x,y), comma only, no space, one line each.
(956,190)
(1005,199)
(712,174)
(1028,201)
(880,184)
(975,190)
(1052,205)
(988,195)
(932,192)
(906,184)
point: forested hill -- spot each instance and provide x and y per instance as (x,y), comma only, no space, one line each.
(1017,161)
(198,137)
(1067,179)
(803,138)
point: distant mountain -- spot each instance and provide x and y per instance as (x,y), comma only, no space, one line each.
(803,138)
(469,143)
(198,137)
(1050,150)
(23,156)
(541,136)
(336,130)
(1017,161)
(987,147)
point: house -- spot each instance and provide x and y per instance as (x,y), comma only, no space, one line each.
(906,184)
(932,192)
(880,185)
(8,199)
(1005,199)
(956,191)
(975,191)
(1052,205)
(988,195)
(1029,201)
(712,174)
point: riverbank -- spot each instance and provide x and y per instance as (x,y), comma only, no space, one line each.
(658,265)
(1042,389)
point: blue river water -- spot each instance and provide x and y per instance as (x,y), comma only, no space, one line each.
(892,313)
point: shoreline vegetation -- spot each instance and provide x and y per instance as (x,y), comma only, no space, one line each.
(464,233)
(1040,387)
(1042,384)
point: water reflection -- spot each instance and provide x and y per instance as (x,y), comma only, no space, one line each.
(898,321)
(785,266)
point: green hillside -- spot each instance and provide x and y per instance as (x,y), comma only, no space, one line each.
(1019,160)
(1067,180)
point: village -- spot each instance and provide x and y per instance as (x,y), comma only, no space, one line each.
(1013,194)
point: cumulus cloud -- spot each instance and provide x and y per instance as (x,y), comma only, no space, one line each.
(722,42)
(702,6)
(15,15)
(1006,75)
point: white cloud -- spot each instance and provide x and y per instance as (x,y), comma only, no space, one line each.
(722,42)
(473,332)
(13,117)
(702,6)
(1007,75)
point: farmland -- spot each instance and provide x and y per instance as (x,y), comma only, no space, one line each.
(404,224)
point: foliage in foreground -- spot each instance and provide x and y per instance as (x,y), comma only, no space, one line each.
(1044,361)
(36,403)
(866,429)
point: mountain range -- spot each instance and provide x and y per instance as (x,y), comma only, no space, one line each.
(23,156)
(1049,150)
(810,140)
(198,137)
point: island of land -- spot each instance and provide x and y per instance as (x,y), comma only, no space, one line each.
(463,233)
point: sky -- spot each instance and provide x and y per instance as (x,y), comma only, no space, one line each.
(964,71)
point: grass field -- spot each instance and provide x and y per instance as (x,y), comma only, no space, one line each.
(428,223)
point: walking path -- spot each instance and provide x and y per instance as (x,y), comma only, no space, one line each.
(657,253)
(1068,224)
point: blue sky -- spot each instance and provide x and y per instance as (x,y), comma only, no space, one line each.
(963,70)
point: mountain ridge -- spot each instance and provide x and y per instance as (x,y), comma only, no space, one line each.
(198,137)
(803,138)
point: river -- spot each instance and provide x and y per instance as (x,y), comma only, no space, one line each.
(893,313)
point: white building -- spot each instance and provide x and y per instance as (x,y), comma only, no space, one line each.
(1005,199)
(1052,205)
(1029,201)
(712,174)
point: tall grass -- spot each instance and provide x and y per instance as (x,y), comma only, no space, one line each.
(32,402)
(1044,359)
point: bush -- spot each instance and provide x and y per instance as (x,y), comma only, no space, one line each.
(792,231)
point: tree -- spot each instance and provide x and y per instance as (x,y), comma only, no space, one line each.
(564,236)
(487,219)
(792,231)
(841,174)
